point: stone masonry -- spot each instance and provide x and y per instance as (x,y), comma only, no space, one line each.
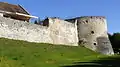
(58,32)
(89,31)
(92,33)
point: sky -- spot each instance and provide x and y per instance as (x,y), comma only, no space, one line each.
(74,8)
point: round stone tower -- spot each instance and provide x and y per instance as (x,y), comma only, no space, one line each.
(92,33)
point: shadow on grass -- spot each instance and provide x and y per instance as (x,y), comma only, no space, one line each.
(103,62)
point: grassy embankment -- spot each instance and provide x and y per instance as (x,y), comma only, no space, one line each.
(14,53)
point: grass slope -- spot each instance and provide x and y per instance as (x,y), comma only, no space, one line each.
(14,53)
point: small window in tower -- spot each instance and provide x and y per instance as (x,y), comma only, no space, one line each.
(86,21)
(95,44)
(92,32)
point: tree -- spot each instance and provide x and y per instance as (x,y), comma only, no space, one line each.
(36,22)
(115,41)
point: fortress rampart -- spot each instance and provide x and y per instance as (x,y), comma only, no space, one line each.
(92,33)
(58,32)
(89,31)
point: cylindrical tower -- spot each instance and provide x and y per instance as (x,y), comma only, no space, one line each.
(92,33)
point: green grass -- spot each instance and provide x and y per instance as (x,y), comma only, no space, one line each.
(14,53)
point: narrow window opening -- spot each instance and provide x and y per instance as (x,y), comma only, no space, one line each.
(95,44)
(86,21)
(92,32)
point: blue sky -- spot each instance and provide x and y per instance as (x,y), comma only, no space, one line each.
(74,8)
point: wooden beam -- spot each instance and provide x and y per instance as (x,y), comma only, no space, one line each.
(26,15)
(18,14)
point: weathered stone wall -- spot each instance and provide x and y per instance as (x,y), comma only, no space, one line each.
(60,32)
(63,32)
(20,30)
(92,33)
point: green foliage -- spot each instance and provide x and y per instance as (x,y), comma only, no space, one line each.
(38,22)
(115,41)
(35,22)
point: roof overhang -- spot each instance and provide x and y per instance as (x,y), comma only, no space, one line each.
(6,12)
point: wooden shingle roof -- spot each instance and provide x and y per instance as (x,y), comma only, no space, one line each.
(12,8)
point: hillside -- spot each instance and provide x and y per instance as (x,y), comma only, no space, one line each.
(14,53)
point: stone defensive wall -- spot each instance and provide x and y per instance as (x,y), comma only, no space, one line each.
(92,33)
(58,31)
(88,31)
